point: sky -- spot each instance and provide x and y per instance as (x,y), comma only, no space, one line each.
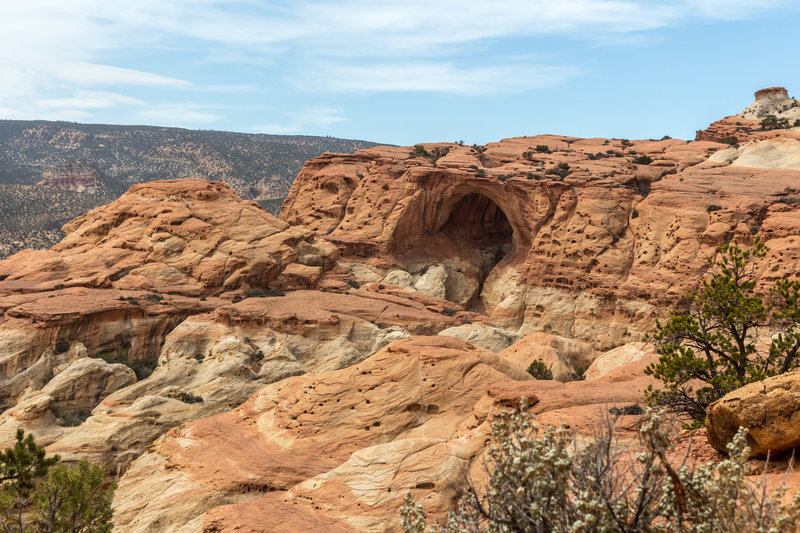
(398,72)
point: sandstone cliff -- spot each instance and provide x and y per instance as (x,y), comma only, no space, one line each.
(586,238)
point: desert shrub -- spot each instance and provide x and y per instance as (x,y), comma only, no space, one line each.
(789,201)
(153,297)
(478,149)
(274,292)
(72,418)
(480,173)
(635,213)
(419,151)
(143,368)
(711,345)
(353,283)
(643,160)
(552,481)
(38,494)
(665,138)
(626,142)
(236,299)
(539,370)
(449,311)
(771,122)
(579,374)
(188,397)
(730,139)
(543,148)
(713,207)
(256,292)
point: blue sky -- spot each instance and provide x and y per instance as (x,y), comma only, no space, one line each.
(397,71)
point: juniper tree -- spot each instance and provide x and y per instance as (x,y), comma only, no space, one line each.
(725,335)
(37,494)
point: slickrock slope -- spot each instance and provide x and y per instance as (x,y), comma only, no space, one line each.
(348,444)
(593,255)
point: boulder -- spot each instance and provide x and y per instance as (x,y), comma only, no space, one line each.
(492,338)
(769,410)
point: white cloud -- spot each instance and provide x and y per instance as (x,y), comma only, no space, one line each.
(54,49)
(83,73)
(439,77)
(311,119)
(89,100)
(177,115)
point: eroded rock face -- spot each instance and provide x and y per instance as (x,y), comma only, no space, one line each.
(177,236)
(367,458)
(420,388)
(595,255)
(768,410)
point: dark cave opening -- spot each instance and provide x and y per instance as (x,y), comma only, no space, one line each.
(477,222)
(481,233)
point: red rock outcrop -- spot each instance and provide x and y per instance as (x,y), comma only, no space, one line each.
(594,255)
(78,175)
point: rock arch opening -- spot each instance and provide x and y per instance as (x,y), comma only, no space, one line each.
(451,250)
(476,223)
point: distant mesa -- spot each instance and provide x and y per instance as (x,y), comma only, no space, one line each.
(772,101)
(75,175)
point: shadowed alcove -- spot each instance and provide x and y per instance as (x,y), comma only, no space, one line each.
(477,223)
(469,234)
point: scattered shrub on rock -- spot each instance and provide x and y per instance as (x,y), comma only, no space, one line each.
(712,345)
(771,122)
(552,481)
(730,139)
(188,397)
(256,292)
(643,160)
(713,207)
(539,370)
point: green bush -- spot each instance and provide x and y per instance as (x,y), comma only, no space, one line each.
(38,494)
(553,481)
(713,207)
(543,148)
(730,139)
(643,160)
(188,397)
(771,122)
(256,292)
(539,370)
